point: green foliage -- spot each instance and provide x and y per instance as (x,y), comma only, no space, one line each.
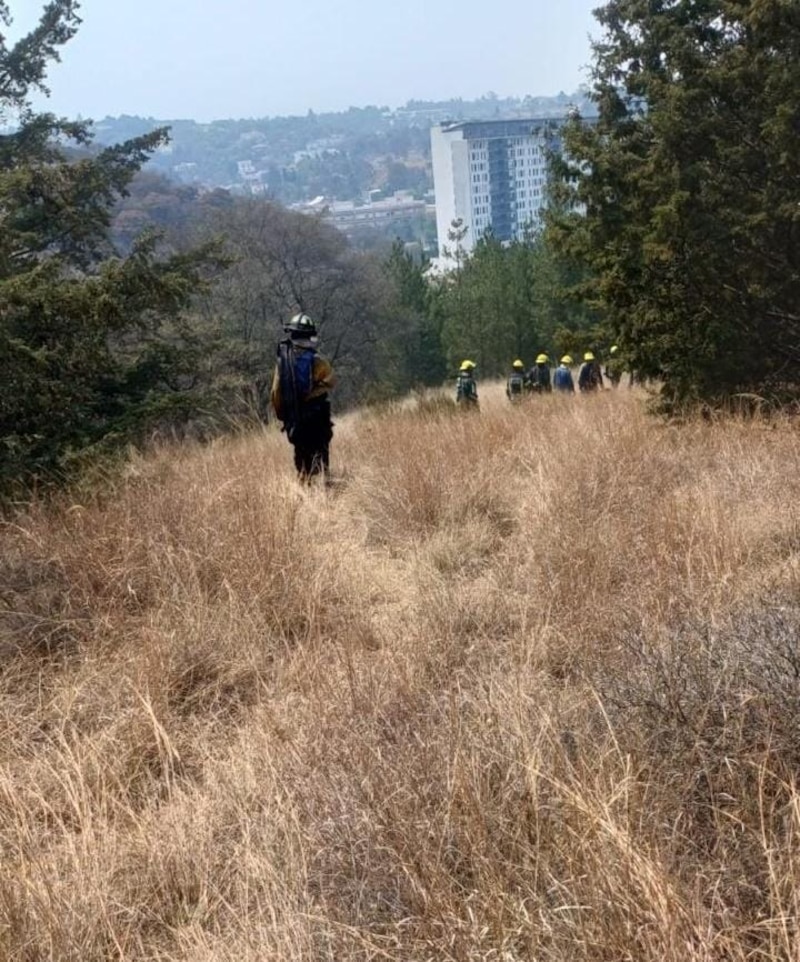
(417,328)
(25,64)
(687,194)
(93,346)
(507,301)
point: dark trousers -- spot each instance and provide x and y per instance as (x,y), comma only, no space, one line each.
(311,439)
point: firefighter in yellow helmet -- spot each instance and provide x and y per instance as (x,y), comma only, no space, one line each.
(539,375)
(466,385)
(516,382)
(590,378)
(614,366)
(562,379)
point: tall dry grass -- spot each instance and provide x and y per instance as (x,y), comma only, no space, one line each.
(526,685)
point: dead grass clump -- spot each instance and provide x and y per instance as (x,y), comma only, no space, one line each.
(409,495)
(35,617)
(709,715)
(423,405)
(435,405)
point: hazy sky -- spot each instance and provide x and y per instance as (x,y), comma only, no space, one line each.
(207,59)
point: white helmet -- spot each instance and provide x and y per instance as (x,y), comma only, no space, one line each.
(301,325)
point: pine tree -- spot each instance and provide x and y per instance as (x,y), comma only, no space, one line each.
(686,193)
(93,346)
(417,329)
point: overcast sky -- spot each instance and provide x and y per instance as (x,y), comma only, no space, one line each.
(214,59)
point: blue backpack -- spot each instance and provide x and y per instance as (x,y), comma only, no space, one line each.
(562,379)
(296,377)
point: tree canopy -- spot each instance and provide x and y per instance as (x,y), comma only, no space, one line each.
(93,345)
(684,197)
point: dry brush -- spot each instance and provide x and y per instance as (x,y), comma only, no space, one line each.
(523,685)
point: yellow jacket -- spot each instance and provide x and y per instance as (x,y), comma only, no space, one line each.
(323,380)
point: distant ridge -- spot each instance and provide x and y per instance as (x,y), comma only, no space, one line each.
(341,155)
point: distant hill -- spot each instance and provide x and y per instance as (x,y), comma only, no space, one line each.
(340,155)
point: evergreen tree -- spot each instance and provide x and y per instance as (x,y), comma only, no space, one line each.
(507,301)
(417,328)
(685,193)
(93,346)
(478,322)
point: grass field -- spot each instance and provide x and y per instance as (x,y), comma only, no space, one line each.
(523,685)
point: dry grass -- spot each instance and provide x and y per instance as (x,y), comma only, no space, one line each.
(525,686)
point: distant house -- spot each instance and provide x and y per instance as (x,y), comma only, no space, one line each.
(351,217)
(253,178)
(185,172)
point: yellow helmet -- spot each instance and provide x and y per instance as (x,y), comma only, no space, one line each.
(588,356)
(542,359)
(567,359)
(467,365)
(518,363)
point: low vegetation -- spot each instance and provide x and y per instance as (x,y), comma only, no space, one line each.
(521,685)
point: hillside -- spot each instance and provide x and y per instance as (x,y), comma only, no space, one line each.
(342,155)
(523,685)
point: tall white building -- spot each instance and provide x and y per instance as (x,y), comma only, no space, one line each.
(490,174)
